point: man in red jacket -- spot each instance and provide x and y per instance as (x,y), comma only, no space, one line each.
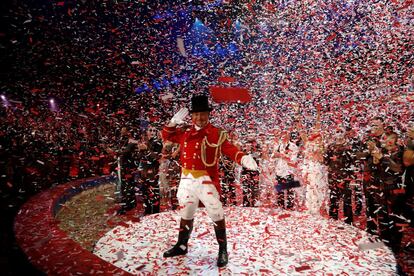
(201,146)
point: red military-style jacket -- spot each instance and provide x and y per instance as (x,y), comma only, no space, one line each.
(201,150)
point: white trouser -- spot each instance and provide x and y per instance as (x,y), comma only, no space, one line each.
(317,187)
(191,190)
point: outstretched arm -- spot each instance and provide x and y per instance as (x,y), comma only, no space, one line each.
(301,131)
(238,156)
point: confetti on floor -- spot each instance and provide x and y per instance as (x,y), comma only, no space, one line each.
(260,242)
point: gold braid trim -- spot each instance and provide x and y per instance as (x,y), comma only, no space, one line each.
(205,143)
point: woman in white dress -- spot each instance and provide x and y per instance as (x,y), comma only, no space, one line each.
(314,171)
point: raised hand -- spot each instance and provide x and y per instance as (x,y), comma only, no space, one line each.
(178,118)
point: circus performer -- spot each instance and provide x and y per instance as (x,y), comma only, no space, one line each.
(201,146)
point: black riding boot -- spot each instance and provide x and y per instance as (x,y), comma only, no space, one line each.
(220,229)
(180,248)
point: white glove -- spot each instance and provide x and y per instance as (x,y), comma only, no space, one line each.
(178,118)
(248,162)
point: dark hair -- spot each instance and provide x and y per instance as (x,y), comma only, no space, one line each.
(348,128)
(294,135)
(378,118)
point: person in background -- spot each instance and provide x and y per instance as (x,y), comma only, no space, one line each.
(370,187)
(339,161)
(250,178)
(149,153)
(386,171)
(286,153)
(169,175)
(128,166)
(267,177)
(408,161)
(355,146)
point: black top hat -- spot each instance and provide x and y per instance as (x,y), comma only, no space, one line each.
(199,103)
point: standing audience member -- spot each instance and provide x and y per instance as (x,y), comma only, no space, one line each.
(340,163)
(386,171)
(286,153)
(230,176)
(408,160)
(355,146)
(149,152)
(169,175)
(370,185)
(128,167)
(267,179)
(250,178)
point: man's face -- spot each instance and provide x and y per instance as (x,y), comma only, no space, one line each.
(151,132)
(124,131)
(340,138)
(200,119)
(377,128)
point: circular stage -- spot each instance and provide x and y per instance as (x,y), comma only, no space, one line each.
(260,241)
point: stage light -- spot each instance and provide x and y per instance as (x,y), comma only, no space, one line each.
(4,101)
(198,22)
(53,106)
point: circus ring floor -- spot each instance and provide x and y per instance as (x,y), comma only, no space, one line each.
(46,245)
(260,242)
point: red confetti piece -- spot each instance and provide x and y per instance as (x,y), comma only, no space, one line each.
(203,234)
(302,268)
(283,216)
(230,94)
(140,267)
(226,79)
